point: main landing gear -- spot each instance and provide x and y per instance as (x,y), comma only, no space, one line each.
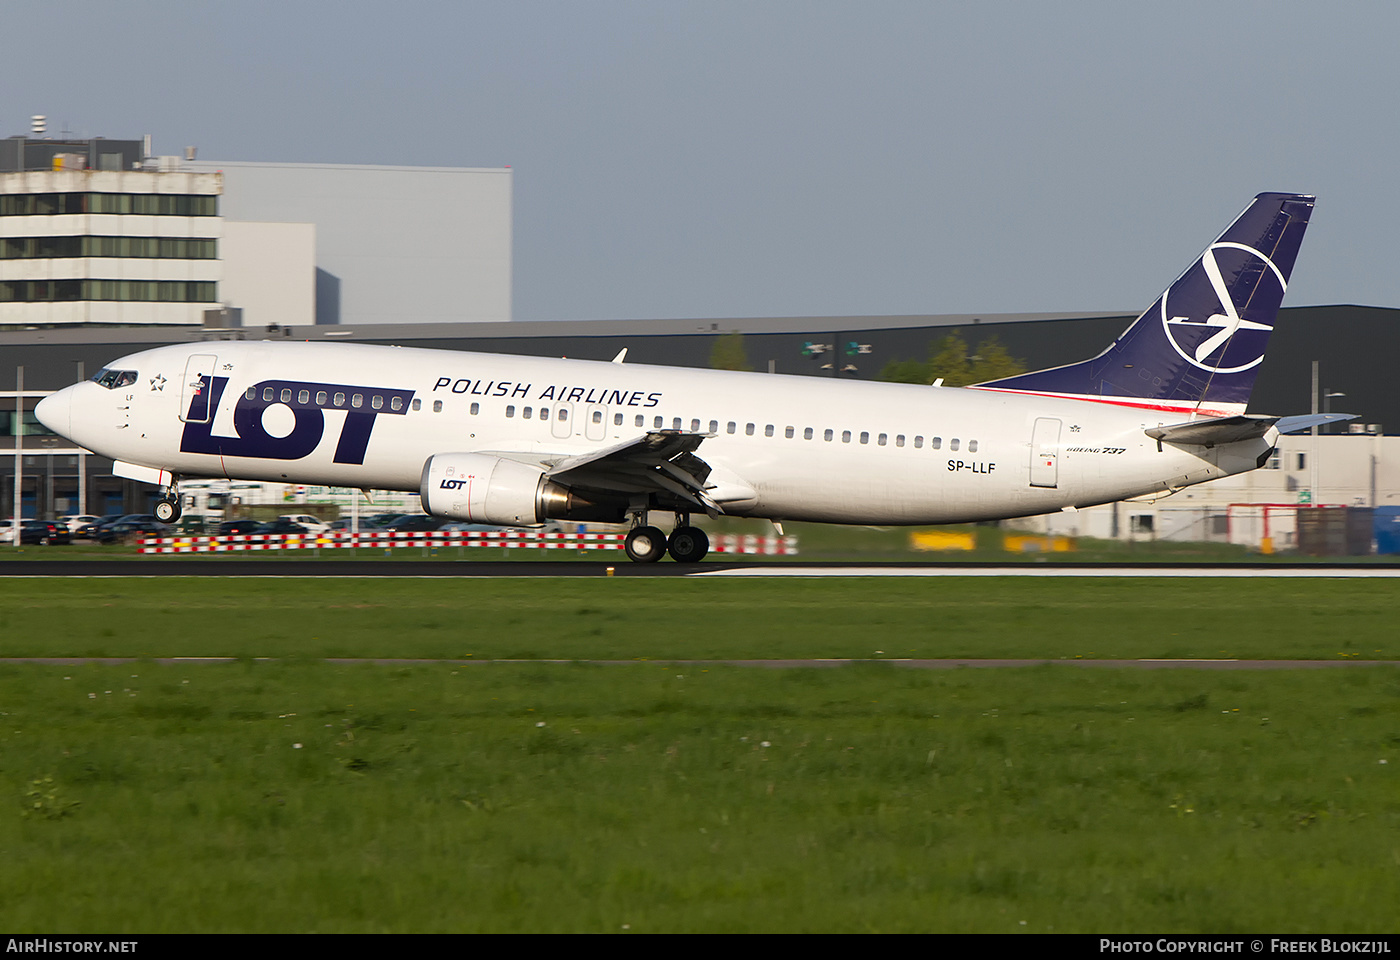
(688,544)
(647,544)
(167,509)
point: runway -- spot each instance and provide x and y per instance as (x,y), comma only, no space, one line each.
(412,568)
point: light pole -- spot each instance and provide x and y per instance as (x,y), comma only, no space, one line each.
(1313,498)
(82,456)
(48,443)
(19,449)
(1327,396)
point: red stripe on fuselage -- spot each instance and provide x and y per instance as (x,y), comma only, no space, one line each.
(1187,408)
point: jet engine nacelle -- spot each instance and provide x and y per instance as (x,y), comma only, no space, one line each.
(483,489)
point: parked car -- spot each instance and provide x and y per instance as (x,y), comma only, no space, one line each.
(344,524)
(130,529)
(44,531)
(313,524)
(238,528)
(413,522)
(377,521)
(282,525)
(86,530)
(74,522)
(91,529)
(35,531)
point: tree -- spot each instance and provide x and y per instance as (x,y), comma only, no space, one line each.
(905,371)
(728,353)
(949,360)
(992,362)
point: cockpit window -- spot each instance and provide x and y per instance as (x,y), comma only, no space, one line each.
(112,379)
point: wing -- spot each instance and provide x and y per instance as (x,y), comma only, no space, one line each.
(659,462)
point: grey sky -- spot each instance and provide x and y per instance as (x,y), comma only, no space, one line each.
(754,158)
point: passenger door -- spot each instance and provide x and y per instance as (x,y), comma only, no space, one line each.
(195,388)
(1045,453)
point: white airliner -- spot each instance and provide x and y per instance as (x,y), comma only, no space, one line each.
(520,440)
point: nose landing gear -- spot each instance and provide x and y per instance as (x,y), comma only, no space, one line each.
(167,509)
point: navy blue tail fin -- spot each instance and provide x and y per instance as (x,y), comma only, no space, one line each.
(1198,348)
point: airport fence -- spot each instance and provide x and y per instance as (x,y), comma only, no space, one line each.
(428,541)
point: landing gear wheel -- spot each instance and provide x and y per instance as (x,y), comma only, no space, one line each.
(645,544)
(689,544)
(167,511)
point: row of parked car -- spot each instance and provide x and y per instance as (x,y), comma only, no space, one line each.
(293,523)
(34,531)
(110,529)
(121,528)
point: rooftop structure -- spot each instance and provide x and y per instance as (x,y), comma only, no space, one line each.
(101,232)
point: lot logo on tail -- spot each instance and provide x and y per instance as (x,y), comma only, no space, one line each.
(1202,319)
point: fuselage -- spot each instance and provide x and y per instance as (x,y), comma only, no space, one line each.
(809,448)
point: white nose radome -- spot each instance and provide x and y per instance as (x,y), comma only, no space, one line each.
(56,412)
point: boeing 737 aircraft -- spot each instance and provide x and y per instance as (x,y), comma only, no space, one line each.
(516,440)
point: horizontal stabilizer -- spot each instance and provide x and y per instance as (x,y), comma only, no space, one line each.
(1307,420)
(1217,430)
(1249,426)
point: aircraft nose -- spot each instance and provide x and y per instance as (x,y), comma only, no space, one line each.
(56,412)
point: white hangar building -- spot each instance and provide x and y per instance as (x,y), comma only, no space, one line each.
(331,243)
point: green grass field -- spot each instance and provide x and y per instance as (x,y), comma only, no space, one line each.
(627,618)
(298,795)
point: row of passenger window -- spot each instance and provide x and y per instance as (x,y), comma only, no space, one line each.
(750,429)
(376,402)
(324,398)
